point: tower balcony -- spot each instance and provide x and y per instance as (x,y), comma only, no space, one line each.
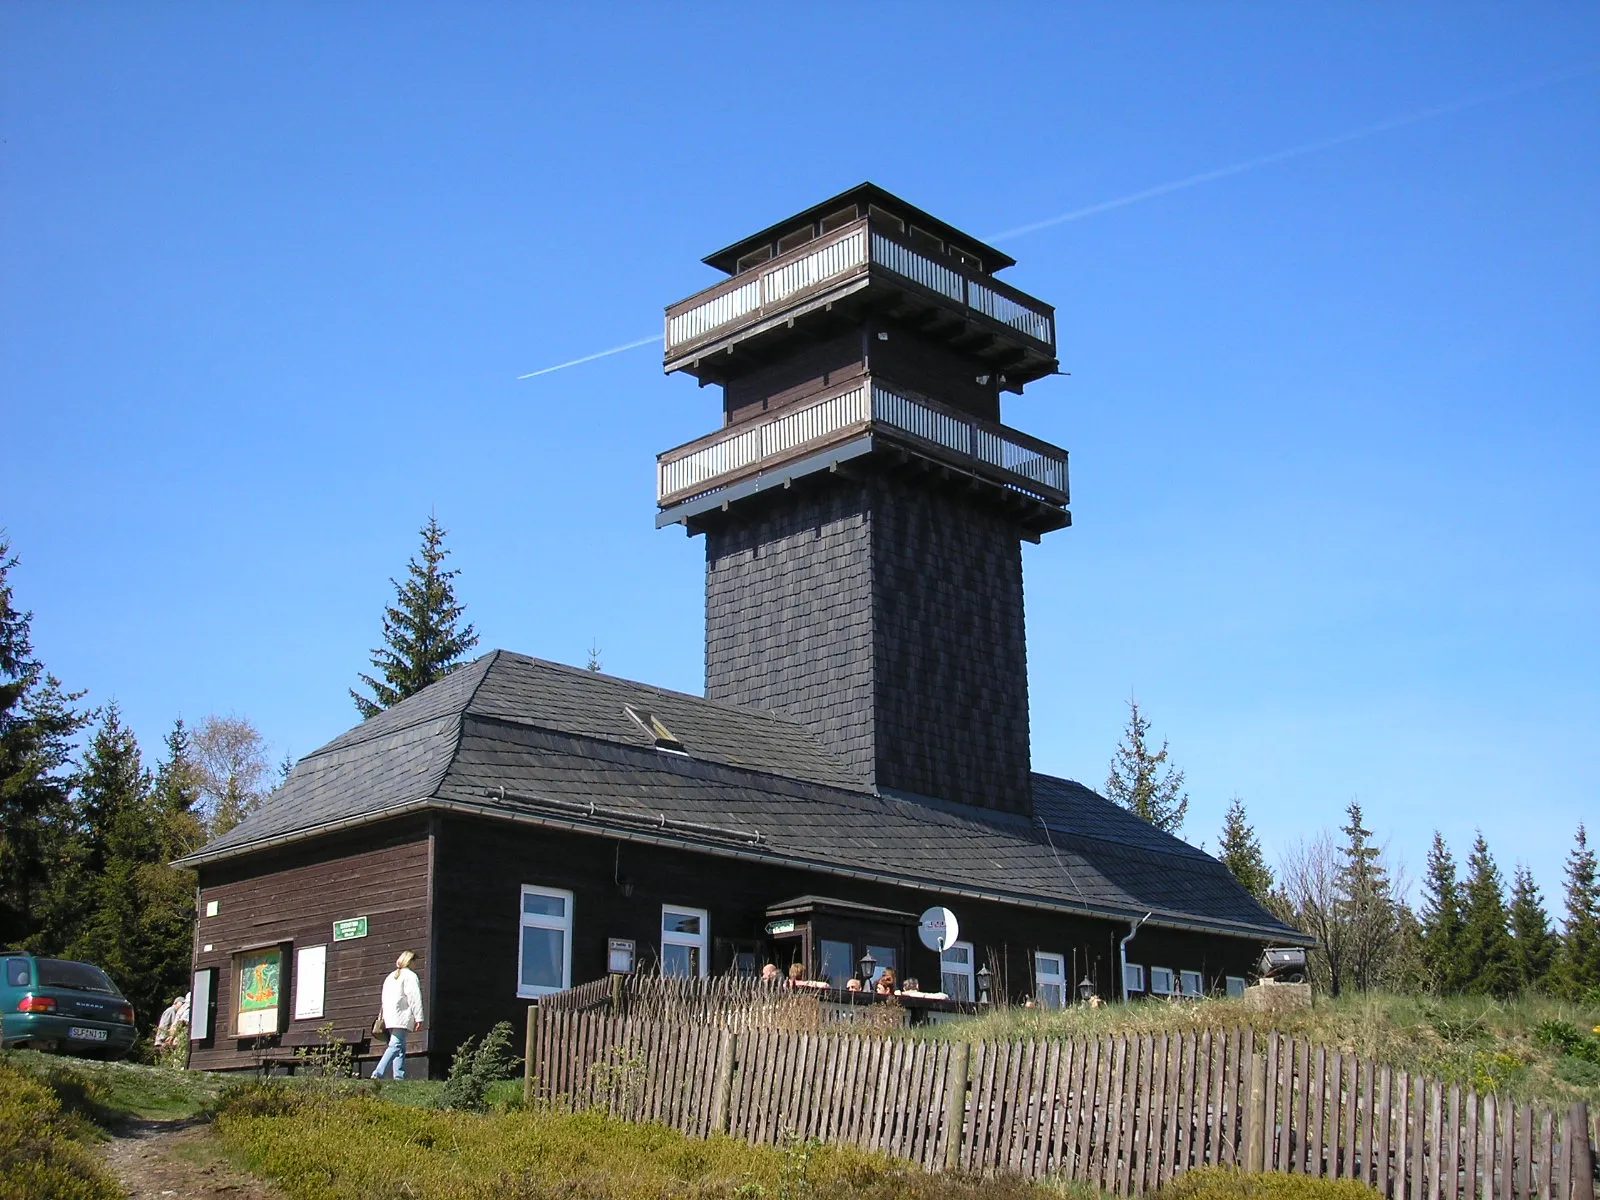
(868,416)
(869,263)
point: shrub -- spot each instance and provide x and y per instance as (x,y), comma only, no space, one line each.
(476,1066)
(42,1151)
(1568,1039)
(1221,1183)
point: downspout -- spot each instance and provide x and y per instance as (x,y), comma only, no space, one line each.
(1122,953)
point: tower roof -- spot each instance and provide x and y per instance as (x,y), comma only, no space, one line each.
(728,257)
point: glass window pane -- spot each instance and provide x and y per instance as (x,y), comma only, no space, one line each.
(678,922)
(885,956)
(535,905)
(1049,966)
(957,986)
(1051,995)
(681,962)
(958,954)
(541,957)
(836,965)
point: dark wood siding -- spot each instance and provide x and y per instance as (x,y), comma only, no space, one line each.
(805,372)
(926,366)
(293,897)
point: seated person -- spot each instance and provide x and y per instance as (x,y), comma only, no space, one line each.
(854,985)
(769,973)
(797,974)
(885,984)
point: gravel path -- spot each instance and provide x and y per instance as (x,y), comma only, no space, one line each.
(178,1160)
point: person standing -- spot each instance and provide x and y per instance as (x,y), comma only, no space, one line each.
(402,1014)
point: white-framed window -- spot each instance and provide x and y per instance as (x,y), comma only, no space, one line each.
(685,938)
(1049,980)
(544,946)
(955,971)
(888,959)
(1161,981)
(1132,977)
(1235,984)
(1191,983)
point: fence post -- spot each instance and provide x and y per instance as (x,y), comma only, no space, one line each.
(1580,1155)
(722,1089)
(530,1045)
(1255,1134)
(955,1115)
(616,995)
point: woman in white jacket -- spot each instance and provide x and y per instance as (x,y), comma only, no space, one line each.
(402,1013)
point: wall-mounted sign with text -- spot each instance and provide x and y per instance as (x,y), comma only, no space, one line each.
(350,928)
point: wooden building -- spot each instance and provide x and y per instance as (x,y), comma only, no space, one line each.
(862,749)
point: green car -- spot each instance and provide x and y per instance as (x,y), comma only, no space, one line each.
(54,1004)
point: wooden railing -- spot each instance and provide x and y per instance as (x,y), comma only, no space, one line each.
(1123,1113)
(830,261)
(1013,458)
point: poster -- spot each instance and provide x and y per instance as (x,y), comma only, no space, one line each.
(310,981)
(260,991)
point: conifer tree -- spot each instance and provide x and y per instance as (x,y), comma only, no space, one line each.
(1144,783)
(1366,904)
(1441,920)
(38,720)
(111,780)
(1240,852)
(1485,940)
(1577,969)
(423,638)
(1532,944)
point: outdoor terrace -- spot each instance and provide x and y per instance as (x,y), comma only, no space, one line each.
(869,260)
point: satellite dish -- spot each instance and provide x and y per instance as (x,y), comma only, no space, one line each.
(938,929)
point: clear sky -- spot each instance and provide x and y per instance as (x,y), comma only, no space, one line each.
(269,274)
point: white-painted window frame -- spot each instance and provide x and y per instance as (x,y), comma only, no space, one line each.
(700,941)
(1132,977)
(1041,957)
(1161,981)
(1191,983)
(1235,985)
(967,970)
(527,920)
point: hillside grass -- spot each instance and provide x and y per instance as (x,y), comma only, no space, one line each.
(1493,1045)
(46,1149)
(109,1093)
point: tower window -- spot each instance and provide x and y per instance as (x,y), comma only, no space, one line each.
(923,240)
(753,259)
(838,219)
(798,238)
(888,218)
(970,261)
(654,728)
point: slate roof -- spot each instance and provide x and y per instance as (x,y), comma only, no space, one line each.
(513,737)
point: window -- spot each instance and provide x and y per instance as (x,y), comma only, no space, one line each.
(955,972)
(310,981)
(1132,977)
(753,259)
(1190,983)
(544,953)
(837,967)
(19,972)
(971,261)
(887,960)
(1049,980)
(838,220)
(923,240)
(654,728)
(888,218)
(798,238)
(684,933)
(1235,985)
(260,992)
(1161,981)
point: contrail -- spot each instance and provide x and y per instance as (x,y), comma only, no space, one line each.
(1327,143)
(1189,181)
(653,339)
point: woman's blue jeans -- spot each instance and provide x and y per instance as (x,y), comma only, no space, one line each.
(395,1054)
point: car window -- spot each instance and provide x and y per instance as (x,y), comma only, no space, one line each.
(18,972)
(57,972)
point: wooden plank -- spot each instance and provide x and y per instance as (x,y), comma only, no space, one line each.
(1523,1140)
(1004,1123)
(1434,1167)
(1366,1171)
(1111,1145)
(1209,1099)
(1469,1140)
(927,1109)
(1317,1163)
(1508,1149)
(1235,1093)
(1140,1107)
(1403,1136)
(1544,1156)
(1099,1084)
(1024,1114)
(1166,1159)
(1343,1136)
(1383,1118)
(1301,1120)
(1119,1149)
(1283,1112)
(1491,1141)
(1087,1082)
(1256,1112)
(1452,1146)
(1419,1137)
(1049,1109)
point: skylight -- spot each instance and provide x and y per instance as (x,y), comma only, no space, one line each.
(654,728)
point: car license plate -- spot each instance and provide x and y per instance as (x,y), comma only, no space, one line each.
(88,1035)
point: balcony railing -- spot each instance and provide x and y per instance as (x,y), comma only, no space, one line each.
(1011,458)
(846,252)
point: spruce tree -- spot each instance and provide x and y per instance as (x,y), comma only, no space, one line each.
(1240,852)
(1486,959)
(112,779)
(1532,944)
(1144,783)
(1366,905)
(1441,920)
(423,638)
(1577,969)
(38,720)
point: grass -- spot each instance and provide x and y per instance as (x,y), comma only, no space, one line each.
(44,1148)
(1492,1045)
(107,1093)
(1221,1183)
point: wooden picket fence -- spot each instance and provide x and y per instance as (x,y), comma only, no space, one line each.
(1125,1113)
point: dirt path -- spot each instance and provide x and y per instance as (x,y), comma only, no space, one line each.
(178,1160)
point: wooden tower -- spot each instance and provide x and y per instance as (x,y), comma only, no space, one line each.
(862,504)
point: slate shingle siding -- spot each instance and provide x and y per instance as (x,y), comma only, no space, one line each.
(886,616)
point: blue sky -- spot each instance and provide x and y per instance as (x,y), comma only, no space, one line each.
(268,275)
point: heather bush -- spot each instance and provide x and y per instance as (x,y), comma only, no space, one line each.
(43,1150)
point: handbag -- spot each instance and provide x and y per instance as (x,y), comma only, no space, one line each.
(378,1027)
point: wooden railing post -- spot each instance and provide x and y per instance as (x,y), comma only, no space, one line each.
(1255,1132)
(530,1046)
(1580,1155)
(722,1088)
(955,1116)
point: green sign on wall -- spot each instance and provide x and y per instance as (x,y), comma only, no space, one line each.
(354,927)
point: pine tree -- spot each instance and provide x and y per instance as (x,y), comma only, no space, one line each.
(1366,904)
(1577,970)
(1138,782)
(423,641)
(1485,940)
(1240,852)
(112,779)
(1532,944)
(38,720)
(1441,920)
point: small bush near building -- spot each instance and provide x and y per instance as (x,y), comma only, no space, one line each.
(43,1150)
(1220,1183)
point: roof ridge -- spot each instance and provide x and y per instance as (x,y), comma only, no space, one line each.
(353,734)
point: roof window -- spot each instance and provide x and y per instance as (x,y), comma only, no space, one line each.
(838,220)
(753,259)
(798,238)
(654,729)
